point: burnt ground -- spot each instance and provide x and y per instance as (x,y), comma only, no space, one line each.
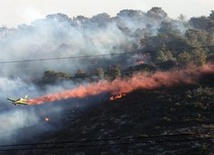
(176,120)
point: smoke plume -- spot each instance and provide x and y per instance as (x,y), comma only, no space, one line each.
(59,36)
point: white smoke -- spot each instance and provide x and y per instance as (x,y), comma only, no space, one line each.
(53,38)
(16,118)
(59,36)
(13,120)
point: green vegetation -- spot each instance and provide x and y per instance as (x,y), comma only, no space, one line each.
(52,76)
(80,74)
(175,43)
(100,73)
(114,71)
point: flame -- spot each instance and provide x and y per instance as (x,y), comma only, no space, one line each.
(137,81)
(46,119)
(117,96)
(139,62)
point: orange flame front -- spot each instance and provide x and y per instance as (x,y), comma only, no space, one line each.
(137,81)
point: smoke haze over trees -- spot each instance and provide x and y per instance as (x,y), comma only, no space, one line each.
(152,40)
(59,36)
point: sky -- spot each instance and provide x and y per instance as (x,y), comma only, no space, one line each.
(16,12)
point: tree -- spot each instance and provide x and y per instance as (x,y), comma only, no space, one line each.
(101,19)
(169,28)
(184,58)
(164,55)
(59,17)
(199,23)
(114,71)
(182,18)
(211,15)
(160,57)
(80,74)
(63,75)
(157,13)
(196,38)
(52,76)
(199,56)
(99,73)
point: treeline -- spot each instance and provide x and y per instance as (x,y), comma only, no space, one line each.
(164,61)
(166,42)
(194,44)
(111,73)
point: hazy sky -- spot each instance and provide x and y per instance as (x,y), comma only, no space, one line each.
(14,12)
